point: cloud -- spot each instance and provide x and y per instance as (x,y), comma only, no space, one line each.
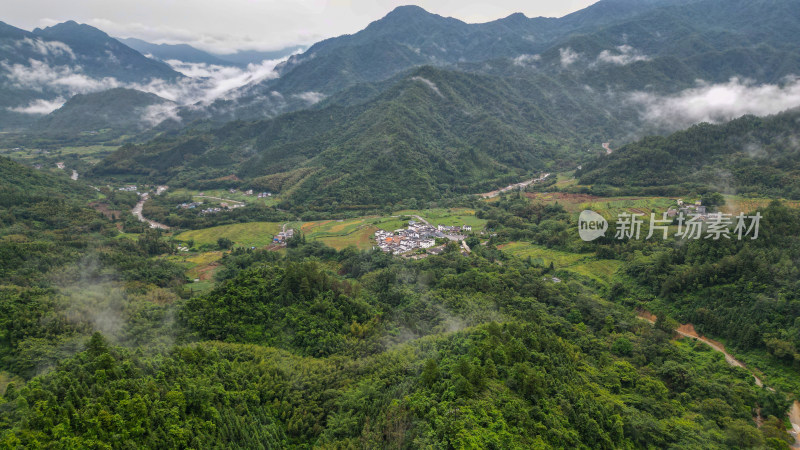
(204,84)
(218,42)
(208,82)
(155,114)
(526,60)
(38,75)
(429,83)
(40,106)
(46,48)
(717,102)
(311,97)
(568,56)
(626,55)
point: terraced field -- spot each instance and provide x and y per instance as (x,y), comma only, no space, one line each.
(338,234)
(606,206)
(448,216)
(735,204)
(341,234)
(253,234)
(585,264)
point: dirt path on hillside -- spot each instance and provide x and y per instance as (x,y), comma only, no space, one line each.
(689,331)
(137,212)
(514,186)
(607,147)
(794,418)
(221,199)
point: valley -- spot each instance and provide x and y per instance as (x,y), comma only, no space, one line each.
(250,227)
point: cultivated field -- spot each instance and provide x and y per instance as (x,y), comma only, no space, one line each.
(585,264)
(253,234)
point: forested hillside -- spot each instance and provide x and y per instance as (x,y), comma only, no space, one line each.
(750,155)
(432,133)
(510,360)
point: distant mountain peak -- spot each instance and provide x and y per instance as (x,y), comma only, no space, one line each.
(72,28)
(408,11)
(517,16)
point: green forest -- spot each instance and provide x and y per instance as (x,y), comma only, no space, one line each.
(103,346)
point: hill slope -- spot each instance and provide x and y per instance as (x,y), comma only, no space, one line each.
(40,70)
(618,45)
(120,109)
(747,155)
(430,133)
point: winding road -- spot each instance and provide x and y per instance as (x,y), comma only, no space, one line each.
(514,186)
(688,330)
(137,212)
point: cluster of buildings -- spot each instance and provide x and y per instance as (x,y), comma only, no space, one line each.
(224,206)
(250,192)
(190,205)
(130,188)
(417,235)
(283,236)
(687,209)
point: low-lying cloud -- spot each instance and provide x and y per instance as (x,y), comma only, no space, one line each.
(46,48)
(208,82)
(624,55)
(526,60)
(40,106)
(40,76)
(716,103)
(568,56)
(430,84)
(203,84)
(310,97)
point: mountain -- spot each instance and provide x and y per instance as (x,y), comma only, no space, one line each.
(188,54)
(433,132)
(120,110)
(663,45)
(749,155)
(40,70)
(245,57)
(181,52)
(99,55)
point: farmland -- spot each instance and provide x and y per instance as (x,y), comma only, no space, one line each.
(606,206)
(253,234)
(585,264)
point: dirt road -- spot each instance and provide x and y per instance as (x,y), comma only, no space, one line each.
(689,331)
(514,186)
(137,211)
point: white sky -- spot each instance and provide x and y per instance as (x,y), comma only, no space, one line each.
(224,26)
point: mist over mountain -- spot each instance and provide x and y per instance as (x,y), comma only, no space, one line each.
(119,110)
(381,241)
(188,54)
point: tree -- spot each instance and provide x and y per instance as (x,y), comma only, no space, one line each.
(224,243)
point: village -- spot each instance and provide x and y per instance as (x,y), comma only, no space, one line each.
(418,235)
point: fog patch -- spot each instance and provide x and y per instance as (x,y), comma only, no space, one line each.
(310,97)
(155,114)
(203,84)
(39,75)
(429,83)
(46,48)
(40,106)
(568,56)
(526,60)
(624,55)
(715,103)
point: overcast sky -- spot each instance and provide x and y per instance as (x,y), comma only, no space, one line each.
(224,26)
